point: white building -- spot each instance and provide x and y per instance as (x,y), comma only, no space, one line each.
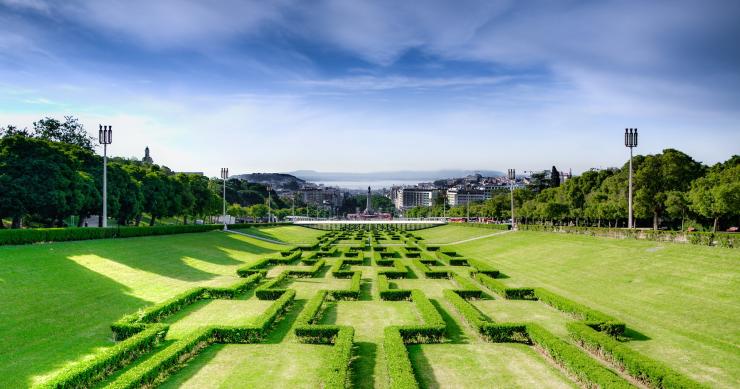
(405,198)
(322,196)
(457,196)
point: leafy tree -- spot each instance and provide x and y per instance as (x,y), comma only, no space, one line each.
(717,194)
(676,205)
(71,131)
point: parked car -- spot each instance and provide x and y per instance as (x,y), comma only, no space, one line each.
(732,229)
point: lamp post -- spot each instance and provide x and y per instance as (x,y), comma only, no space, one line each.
(512,179)
(630,140)
(269,204)
(224,176)
(105,137)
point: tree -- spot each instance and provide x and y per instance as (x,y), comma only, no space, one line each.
(717,194)
(676,205)
(659,174)
(70,132)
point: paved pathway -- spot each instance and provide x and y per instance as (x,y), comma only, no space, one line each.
(472,239)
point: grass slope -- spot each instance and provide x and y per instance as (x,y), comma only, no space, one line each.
(58,300)
(452,233)
(286,234)
(682,299)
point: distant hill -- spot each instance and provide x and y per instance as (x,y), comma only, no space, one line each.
(276,180)
(401,175)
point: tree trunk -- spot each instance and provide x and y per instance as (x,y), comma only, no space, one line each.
(82,220)
(716,223)
(598,223)
(100,220)
(16,223)
(138,220)
(151,221)
(655,221)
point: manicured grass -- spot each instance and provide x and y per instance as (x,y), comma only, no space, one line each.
(58,300)
(369,318)
(500,365)
(288,365)
(681,299)
(286,234)
(431,287)
(215,312)
(521,311)
(452,233)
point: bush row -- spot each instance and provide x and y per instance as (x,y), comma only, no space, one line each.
(722,239)
(36,235)
(353,293)
(493,332)
(310,272)
(134,323)
(269,290)
(386,293)
(341,336)
(399,270)
(260,265)
(584,368)
(433,328)
(467,288)
(489,226)
(483,268)
(160,365)
(593,318)
(429,273)
(87,373)
(502,290)
(400,371)
(646,370)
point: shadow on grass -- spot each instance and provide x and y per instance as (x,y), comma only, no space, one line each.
(366,288)
(630,334)
(192,367)
(502,275)
(363,366)
(455,333)
(422,368)
(282,328)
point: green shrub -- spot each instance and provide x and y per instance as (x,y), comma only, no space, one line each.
(399,270)
(502,290)
(467,288)
(87,373)
(593,318)
(584,368)
(646,370)
(353,293)
(483,268)
(400,371)
(386,293)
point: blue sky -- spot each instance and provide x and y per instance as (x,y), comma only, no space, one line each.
(379,85)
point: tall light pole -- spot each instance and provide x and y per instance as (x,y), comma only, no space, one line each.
(630,140)
(224,176)
(512,179)
(269,204)
(444,205)
(105,137)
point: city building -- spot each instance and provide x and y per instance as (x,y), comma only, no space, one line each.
(457,196)
(410,197)
(321,196)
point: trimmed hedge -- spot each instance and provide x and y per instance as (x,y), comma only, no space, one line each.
(429,273)
(592,317)
(467,288)
(353,293)
(341,336)
(136,322)
(493,332)
(483,268)
(399,270)
(642,368)
(37,235)
(400,371)
(721,239)
(584,368)
(386,293)
(509,293)
(92,371)
(160,365)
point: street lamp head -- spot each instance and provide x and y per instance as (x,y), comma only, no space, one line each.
(105,134)
(630,137)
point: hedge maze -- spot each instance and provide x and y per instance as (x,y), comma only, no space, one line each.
(310,288)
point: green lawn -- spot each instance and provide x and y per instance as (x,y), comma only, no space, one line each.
(682,299)
(679,301)
(58,300)
(286,234)
(452,233)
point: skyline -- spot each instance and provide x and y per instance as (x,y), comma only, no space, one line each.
(366,87)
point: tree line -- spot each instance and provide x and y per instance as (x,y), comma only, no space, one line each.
(51,172)
(671,190)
